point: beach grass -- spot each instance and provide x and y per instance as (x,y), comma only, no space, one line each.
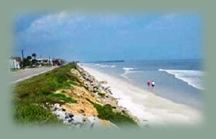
(106,112)
(33,95)
(33,113)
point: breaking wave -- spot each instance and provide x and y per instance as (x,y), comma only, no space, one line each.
(105,66)
(127,70)
(191,77)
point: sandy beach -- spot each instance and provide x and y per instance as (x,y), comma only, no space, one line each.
(146,106)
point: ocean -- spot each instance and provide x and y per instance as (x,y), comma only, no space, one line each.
(177,80)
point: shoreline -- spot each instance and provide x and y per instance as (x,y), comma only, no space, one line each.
(147,107)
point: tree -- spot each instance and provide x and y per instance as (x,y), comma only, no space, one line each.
(26,62)
(34,55)
(34,63)
(29,58)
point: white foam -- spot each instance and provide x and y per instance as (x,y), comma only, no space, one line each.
(127,70)
(191,77)
(105,66)
(146,106)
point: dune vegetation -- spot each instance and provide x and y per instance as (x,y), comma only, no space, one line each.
(33,97)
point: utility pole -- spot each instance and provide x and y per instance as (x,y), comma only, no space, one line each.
(22,51)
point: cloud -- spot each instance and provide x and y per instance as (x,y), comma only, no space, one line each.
(53,23)
(170,17)
(52,27)
(74,20)
(64,24)
(163,22)
(184,26)
(66,27)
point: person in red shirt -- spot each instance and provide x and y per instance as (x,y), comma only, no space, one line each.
(148,83)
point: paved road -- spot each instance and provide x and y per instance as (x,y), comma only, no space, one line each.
(27,73)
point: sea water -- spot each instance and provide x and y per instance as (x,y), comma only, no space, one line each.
(176,80)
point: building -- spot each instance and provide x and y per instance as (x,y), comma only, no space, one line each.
(44,61)
(58,62)
(15,63)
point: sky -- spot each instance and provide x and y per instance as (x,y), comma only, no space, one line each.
(109,36)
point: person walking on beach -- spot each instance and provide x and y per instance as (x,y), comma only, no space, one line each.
(148,83)
(153,84)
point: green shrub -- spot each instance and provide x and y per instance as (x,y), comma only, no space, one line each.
(106,112)
(101,94)
(33,113)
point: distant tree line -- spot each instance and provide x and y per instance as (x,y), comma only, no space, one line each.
(29,61)
(32,61)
